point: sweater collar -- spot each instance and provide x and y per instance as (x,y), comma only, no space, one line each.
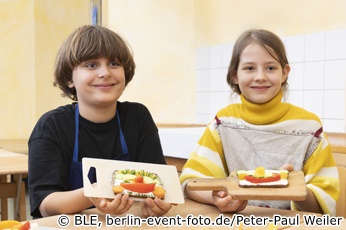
(266,113)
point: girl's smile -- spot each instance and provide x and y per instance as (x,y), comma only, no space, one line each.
(259,74)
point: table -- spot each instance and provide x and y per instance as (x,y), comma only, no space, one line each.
(15,145)
(13,167)
(191,211)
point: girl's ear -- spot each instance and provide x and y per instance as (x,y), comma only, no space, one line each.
(70,84)
(285,71)
(235,79)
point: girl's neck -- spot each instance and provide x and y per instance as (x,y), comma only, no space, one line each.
(100,114)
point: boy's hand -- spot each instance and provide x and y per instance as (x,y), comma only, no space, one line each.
(119,205)
(154,207)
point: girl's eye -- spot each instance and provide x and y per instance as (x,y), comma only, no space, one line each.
(271,68)
(250,68)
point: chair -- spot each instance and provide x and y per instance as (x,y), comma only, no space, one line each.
(341,203)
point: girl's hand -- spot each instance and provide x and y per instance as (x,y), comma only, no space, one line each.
(154,207)
(225,202)
(287,167)
(119,205)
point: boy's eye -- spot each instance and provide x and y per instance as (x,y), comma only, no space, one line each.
(114,63)
(90,65)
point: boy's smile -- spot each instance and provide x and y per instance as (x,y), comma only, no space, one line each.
(99,83)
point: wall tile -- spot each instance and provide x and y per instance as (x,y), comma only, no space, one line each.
(202,58)
(214,80)
(225,99)
(334,104)
(337,126)
(315,46)
(295,48)
(202,76)
(203,119)
(296,98)
(224,85)
(226,52)
(296,76)
(202,102)
(215,56)
(335,44)
(313,75)
(215,102)
(335,74)
(313,102)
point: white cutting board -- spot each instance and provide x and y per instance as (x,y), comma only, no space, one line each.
(105,168)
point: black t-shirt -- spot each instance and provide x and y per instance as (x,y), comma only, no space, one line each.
(51,145)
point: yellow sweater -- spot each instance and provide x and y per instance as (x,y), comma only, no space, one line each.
(246,135)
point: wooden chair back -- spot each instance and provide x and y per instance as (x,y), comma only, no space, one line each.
(341,203)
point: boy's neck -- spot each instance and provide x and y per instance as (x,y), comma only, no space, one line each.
(98,114)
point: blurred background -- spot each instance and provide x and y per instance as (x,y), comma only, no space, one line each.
(182,49)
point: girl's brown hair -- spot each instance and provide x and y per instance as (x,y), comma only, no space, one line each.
(268,40)
(86,43)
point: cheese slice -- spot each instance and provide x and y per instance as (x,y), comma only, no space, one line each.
(283,182)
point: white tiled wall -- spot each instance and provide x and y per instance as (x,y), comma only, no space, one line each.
(317,80)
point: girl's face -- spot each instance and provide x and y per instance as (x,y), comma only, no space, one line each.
(259,75)
(98,82)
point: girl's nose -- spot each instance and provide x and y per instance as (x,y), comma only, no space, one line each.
(260,76)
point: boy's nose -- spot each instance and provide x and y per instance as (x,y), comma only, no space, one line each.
(104,72)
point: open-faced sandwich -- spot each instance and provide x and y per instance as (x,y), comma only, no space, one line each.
(262,178)
(138,183)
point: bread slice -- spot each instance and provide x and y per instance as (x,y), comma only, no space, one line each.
(130,176)
(261,178)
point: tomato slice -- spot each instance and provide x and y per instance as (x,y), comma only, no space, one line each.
(139,187)
(258,180)
(25,226)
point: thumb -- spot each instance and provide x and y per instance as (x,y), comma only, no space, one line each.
(102,203)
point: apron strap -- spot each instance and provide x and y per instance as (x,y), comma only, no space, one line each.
(76,144)
(75,151)
(122,137)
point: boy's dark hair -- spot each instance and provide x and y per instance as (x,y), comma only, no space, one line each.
(86,43)
(268,40)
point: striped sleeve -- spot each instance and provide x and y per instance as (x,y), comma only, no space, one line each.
(321,176)
(207,158)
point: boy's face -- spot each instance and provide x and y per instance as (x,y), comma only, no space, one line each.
(98,82)
(259,75)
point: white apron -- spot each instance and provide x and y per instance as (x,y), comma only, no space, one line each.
(247,148)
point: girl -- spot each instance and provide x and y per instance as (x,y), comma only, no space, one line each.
(263,131)
(92,67)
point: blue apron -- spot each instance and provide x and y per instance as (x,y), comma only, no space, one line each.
(76,172)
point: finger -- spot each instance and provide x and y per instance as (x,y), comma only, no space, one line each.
(152,207)
(288,167)
(163,207)
(221,194)
(242,206)
(102,203)
(144,209)
(123,203)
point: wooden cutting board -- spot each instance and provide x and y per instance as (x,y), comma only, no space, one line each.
(296,189)
(105,168)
